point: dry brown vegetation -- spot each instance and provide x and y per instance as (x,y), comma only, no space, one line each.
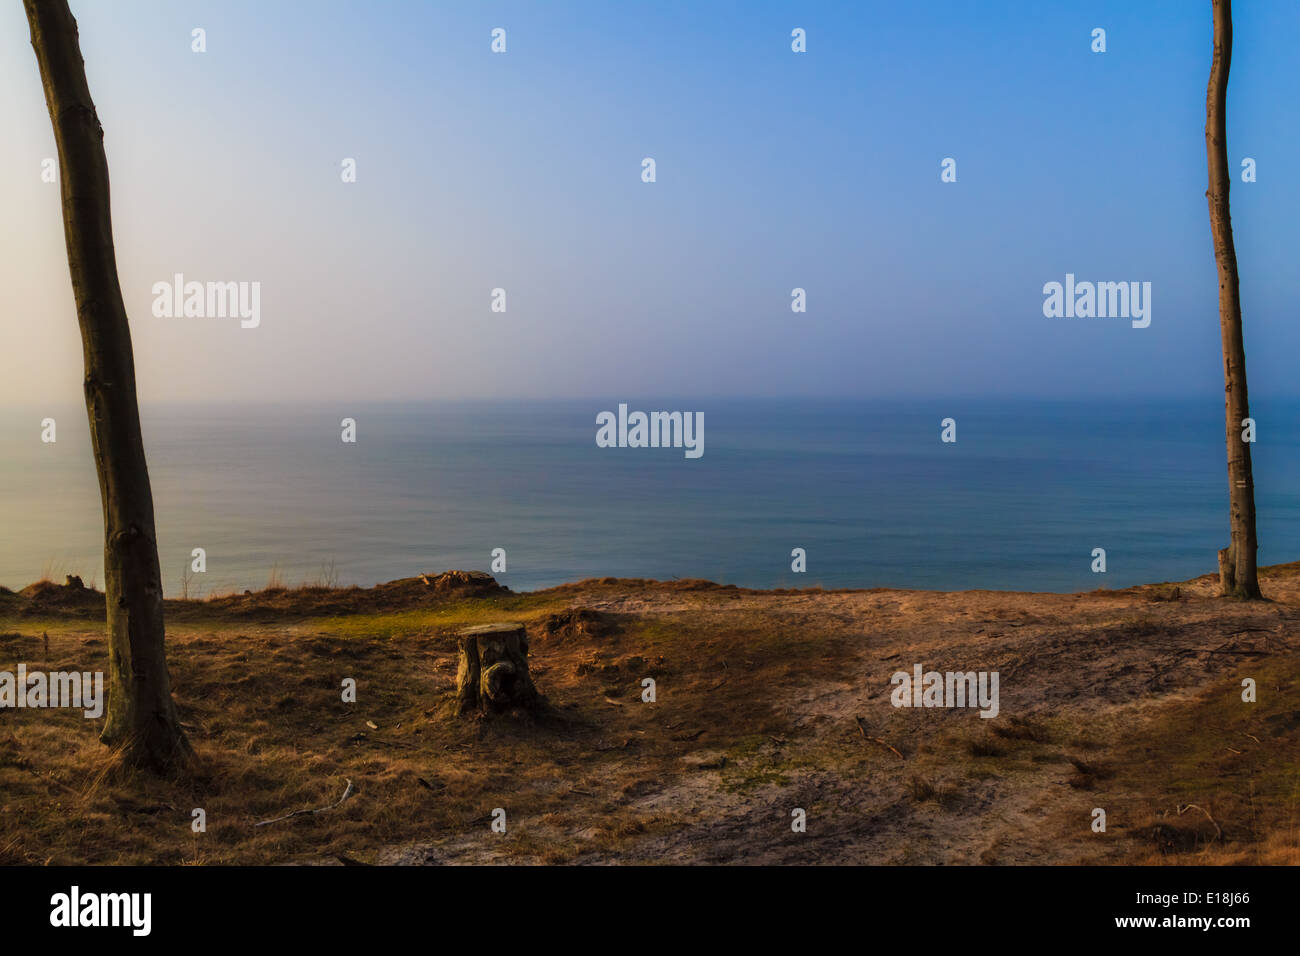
(767,700)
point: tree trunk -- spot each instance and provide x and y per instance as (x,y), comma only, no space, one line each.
(141,718)
(492,673)
(1236,568)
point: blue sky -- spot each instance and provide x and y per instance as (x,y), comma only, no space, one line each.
(775,170)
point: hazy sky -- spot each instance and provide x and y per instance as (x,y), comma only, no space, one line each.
(775,170)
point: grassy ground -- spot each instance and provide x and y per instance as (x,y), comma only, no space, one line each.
(767,703)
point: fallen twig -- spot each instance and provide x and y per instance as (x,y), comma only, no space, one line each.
(1191,806)
(366,738)
(348,791)
(862,728)
(877,740)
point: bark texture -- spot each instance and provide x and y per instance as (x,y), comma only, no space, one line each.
(1237,574)
(492,672)
(140,718)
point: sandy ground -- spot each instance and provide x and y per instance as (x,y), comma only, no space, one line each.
(1102,661)
(767,703)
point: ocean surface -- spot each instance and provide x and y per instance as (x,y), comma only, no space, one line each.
(867,488)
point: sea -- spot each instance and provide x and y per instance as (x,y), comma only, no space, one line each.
(867,489)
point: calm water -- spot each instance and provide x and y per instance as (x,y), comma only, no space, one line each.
(1019,502)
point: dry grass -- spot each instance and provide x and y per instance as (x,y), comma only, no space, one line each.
(262,705)
(1220,777)
(758,694)
(923,790)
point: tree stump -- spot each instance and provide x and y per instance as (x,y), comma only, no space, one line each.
(1227,571)
(492,673)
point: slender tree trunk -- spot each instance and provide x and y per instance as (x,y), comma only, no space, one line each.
(141,718)
(1237,574)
